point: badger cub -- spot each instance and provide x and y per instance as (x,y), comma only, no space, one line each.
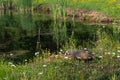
(85,55)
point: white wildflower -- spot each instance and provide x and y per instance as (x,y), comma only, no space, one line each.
(103,26)
(44,65)
(10,63)
(66,57)
(49,53)
(24,74)
(4,79)
(11,54)
(56,67)
(61,50)
(113,23)
(118,51)
(36,53)
(85,48)
(109,53)
(40,73)
(101,49)
(56,56)
(13,65)
(113,53)
(25,60)
(93,53)
(118,56)
(100,56)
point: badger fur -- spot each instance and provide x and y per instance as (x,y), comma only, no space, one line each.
(80,54)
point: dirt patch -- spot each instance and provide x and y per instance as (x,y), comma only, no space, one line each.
(54,57)
(82,15)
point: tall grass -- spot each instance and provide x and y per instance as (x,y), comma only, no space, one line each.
(59,26)
(62,69)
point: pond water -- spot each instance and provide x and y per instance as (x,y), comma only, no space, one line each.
(22,32)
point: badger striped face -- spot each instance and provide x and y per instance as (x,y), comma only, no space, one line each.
(66,53)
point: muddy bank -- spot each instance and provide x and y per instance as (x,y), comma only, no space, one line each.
(78,14)
(89,16)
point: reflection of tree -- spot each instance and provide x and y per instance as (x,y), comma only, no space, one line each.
(5,7)
(10,6)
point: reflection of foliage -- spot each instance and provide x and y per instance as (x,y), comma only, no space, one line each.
(27,21)
(59,27)
(12,30)
(25,3)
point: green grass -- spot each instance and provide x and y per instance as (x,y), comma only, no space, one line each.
(109,7)
(63,69)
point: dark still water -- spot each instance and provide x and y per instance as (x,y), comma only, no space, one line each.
(23,32)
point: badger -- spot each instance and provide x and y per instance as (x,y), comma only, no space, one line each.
(85,55)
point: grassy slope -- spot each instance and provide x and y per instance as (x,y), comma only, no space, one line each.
(104,69)
(63,70)
(109,7)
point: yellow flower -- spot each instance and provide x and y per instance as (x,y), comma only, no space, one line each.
(118,47)
(23,78)
(84,1)
(111,1)
(118,5)
(74,1)
(39,1)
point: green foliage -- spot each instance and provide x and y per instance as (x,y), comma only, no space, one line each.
(70,43)
(59,27)
(14,30)
(113,77)
(108,38)
(62,69)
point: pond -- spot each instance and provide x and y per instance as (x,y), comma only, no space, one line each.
(23,32)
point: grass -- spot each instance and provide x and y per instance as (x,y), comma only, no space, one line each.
(63,69)
(109,7)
